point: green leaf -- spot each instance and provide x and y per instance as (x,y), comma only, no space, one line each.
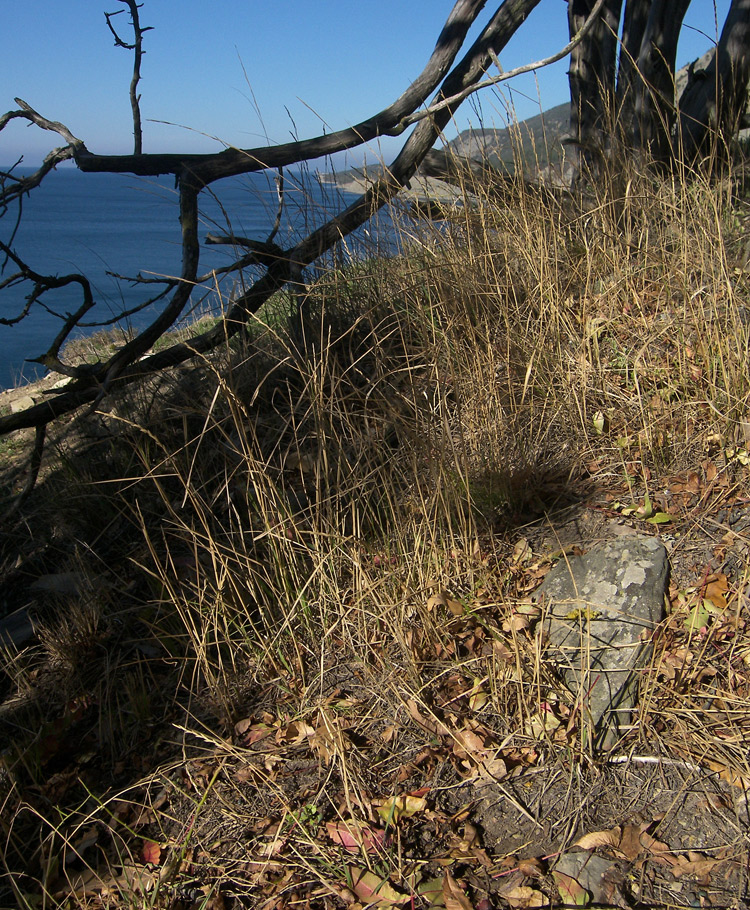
(660,518)
(432,892)
(571,890)
(698,617)
(646,510)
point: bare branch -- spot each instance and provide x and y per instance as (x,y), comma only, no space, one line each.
(137,48)
(280,209)
(118,40)
(27,112)
(126,314)
(23,185)
(211,167)
(505,76)
(122,368)
(281,266)
(43,284)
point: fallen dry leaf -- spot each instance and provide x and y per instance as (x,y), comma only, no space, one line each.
(428,724)
(479,697)
(636,843)
(596,839)
(531,867)
(716,589)
(403,806)
(695,864)
(489,771)
(249,733)
(372,889)
(354,835)
(453,895)
(467,743)
(151,852)
(443,599)
(522,896)
(542,723)
(522,551)
(295,733)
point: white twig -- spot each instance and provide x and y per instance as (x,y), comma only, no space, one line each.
(653,760)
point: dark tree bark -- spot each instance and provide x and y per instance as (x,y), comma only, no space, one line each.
(592,78)
(713,103)
(641,114)
(645,99)
(655,112)
(633,28)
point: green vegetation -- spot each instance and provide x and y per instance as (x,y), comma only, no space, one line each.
(300,640)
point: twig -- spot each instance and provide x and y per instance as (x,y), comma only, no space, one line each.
(280,209)
(137,48)
(432,109)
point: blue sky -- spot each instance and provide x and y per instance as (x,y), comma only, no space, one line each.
(252,72)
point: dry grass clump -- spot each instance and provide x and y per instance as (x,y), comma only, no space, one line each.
(324,544)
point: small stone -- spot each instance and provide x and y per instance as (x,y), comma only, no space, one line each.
(21,404)
(599,612)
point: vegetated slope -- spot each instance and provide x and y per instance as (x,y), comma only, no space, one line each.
(537,139)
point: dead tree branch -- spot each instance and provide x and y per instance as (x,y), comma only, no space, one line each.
(195,172)
(504,76)
(207,168)
(137,48)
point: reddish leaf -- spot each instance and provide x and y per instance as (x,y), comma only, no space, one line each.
(354,836)
(372,889)
(151,852)
(570,889)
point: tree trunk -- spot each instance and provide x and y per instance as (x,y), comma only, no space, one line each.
(592,78)
(633,30)
(654,94)
(714,101)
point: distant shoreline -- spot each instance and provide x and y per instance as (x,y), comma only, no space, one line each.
(419,189)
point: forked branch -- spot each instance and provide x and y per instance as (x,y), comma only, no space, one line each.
(137,48)
(133,360)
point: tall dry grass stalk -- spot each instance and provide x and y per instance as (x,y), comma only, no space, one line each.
(347,461)
(298,506)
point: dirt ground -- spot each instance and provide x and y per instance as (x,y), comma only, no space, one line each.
(350,781)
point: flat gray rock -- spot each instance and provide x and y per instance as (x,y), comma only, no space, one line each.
(599,611)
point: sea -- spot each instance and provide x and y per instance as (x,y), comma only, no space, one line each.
(109,225)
